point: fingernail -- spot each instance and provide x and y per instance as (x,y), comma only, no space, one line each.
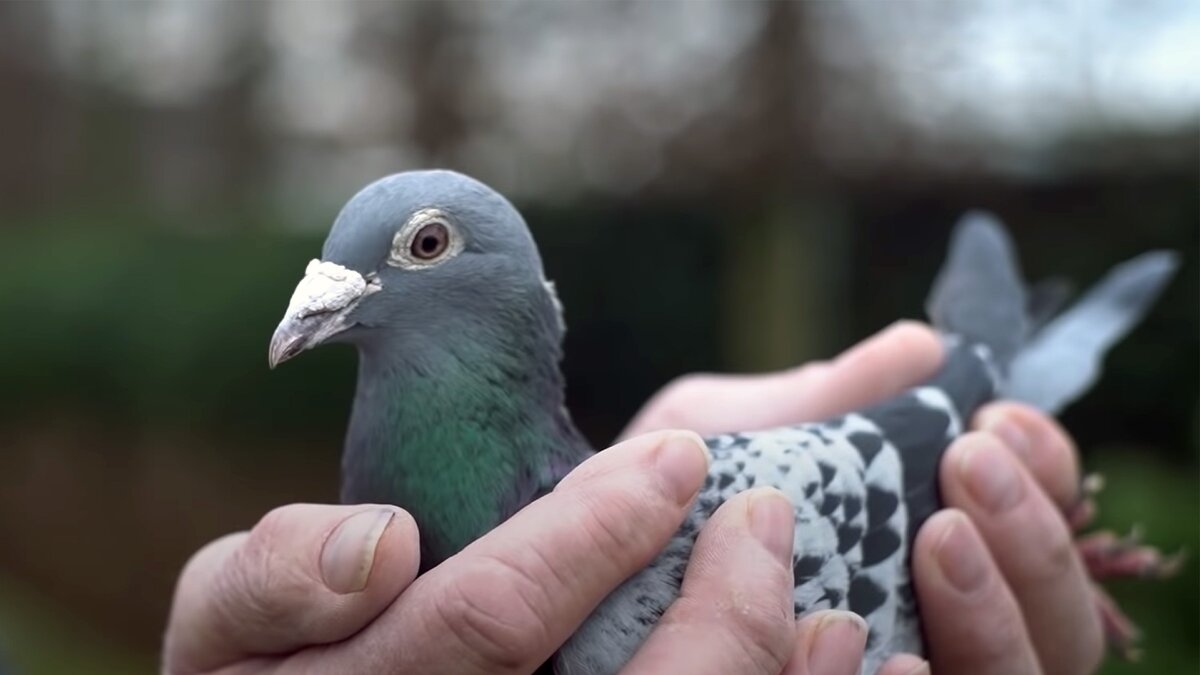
(682,461)
(837,646)
(773,523)
(960,558)
(349,553)
(990,475)
(1010,433)
(921,668)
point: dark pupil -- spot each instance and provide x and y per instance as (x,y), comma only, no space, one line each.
(431,241)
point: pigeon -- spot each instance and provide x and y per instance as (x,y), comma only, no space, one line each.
(459,416)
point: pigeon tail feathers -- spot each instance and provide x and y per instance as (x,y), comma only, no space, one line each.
(1044,360)
(1062,361)
(978,295)
(1003,340)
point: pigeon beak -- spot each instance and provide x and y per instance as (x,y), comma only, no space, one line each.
(318,309)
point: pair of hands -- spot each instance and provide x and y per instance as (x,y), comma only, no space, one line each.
(316,588)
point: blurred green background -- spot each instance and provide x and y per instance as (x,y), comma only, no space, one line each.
(690,169)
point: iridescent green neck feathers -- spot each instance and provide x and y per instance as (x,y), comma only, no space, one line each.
(461,428)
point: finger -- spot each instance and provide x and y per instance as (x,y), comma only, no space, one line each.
(972,622)
(904,664)
(895,359)
(508,600)
(828,642)
(306,574)
(718,403)
(1043,446)
(734,612)
(1032,545)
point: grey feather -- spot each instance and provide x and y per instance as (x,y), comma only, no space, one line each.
(981,264)
(1045,299)
(1063,360)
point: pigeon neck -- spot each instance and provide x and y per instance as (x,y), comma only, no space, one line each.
(462,429)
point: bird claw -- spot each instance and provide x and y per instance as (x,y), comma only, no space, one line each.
(1091,485)
(1108,556)
(1133,539)
(1166,566)
(1083,511)
(1081,514)
(1120,633)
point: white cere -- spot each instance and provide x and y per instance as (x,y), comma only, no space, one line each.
(326,287)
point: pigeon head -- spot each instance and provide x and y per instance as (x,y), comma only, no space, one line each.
(414,257)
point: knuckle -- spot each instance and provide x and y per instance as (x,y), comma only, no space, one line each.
(193,591)
(492,610)
(993,640)
(762,632)
(764,637)
(1053,458)
(256,587)
(1058,558)
(201,559)
(758,637)
(1002,639)
(755,613)
(618,524)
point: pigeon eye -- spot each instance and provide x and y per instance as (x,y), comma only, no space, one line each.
(430,241)
(429,238)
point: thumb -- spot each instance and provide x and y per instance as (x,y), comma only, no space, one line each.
(306,574)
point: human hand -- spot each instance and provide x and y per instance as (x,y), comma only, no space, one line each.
(331,588)
(1029,609)
(884,365)
(248,603)
(1000,585)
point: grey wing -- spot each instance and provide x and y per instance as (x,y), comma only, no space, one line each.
(843,479)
